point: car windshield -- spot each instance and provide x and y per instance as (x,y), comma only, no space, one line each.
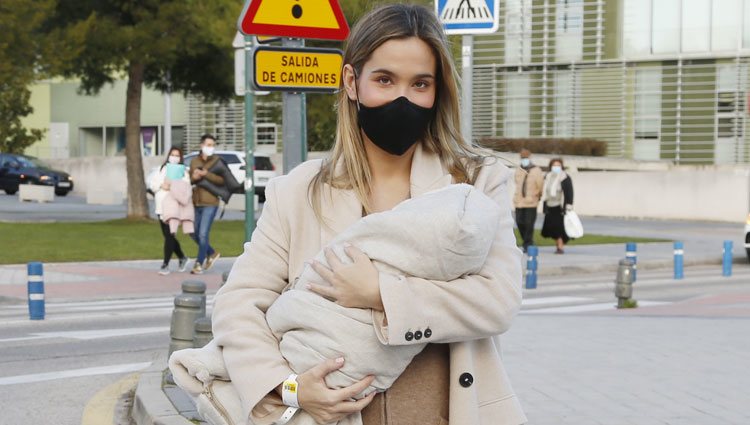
(263,163)
(30,162)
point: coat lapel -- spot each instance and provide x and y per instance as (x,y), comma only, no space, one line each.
(340,208)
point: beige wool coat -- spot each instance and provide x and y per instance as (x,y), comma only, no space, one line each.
(469,313)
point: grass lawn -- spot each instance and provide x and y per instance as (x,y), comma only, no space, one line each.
(103,241)
(587,239)
(136,240)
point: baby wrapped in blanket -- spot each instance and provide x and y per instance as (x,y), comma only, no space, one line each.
(441,235)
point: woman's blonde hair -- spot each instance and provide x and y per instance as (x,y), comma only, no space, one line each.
(347,166)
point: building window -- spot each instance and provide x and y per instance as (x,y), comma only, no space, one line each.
(726,25)
(665,26)
(569,30)
(565,99)
(517,114)
(730,117)
(518,32)
(646,140)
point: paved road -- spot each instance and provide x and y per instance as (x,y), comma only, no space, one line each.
(681,358)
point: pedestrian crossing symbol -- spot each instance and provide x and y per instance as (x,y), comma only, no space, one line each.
(468,16)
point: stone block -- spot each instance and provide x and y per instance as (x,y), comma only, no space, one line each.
(32,192)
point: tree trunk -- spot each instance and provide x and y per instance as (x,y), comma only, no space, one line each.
(137,203)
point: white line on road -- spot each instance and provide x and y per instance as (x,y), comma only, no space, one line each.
(74,373)
(588,308)
(92,334)
(552,300)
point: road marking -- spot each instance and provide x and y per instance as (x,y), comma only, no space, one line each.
(92,334)
(74,373)
(589,307)
(552,300)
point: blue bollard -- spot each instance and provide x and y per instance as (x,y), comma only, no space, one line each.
(679,260)
(531,265)
(35,288)
(630,254)
(727,259)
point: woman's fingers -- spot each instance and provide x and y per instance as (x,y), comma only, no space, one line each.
(323,271)
(349,407)
(333,260)
(355,253)
(324,291)
(355,389)
(324,368)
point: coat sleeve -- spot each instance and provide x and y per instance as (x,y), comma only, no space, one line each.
(567,188)
(472,307)
(250,349)
(157,179)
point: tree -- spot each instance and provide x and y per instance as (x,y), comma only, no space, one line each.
(24,57)
(177,44)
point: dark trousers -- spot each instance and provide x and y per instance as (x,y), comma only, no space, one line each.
(171,244)
(525,219)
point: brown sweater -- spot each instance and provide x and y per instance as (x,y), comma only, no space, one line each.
(202,197)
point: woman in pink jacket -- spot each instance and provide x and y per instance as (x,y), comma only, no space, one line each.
(160,185)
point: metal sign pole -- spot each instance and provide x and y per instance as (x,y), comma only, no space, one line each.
(249,142)
(466,87)
(294,121)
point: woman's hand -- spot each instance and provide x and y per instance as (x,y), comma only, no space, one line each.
(352,285)
(165,185)
(324,404)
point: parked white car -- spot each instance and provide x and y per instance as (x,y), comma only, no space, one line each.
(264,169)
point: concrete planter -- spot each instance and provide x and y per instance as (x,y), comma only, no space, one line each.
(32,192)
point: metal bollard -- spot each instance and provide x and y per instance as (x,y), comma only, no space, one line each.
(630,253)
(187,308)
(196,287)
(531,266)
(224,277)
(35,288)
(624,283)
(679,260)
(202,333)
(727,259)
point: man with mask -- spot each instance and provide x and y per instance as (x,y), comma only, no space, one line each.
(206,203)
(529,183)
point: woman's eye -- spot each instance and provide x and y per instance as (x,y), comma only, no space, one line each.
(384,80)
(422,84)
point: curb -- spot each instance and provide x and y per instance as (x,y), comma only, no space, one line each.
(151,405)
(642,265)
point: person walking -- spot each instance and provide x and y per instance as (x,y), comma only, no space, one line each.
(206,203)
(397,137)
(529,180)
(557,198)
(160,186)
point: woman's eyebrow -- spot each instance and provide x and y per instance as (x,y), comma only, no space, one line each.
(392,74)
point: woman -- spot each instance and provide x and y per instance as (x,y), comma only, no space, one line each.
(557,198)
(160,185)
(397,137)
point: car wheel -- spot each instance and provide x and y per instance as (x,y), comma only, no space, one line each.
(261,198)
(61,192)
(11,191)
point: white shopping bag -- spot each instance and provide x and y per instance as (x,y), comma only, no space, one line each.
(573,226)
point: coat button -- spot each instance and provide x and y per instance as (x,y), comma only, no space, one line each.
(427,333)
(409,336)
(466,380)
(418,335)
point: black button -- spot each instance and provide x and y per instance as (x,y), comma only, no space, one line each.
(427,333)
(418,335)
(409,336)
(466,380)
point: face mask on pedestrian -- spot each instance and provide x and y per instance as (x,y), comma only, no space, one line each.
(174,159)
(395,126)
(556,169)
(525,162)
(207,150)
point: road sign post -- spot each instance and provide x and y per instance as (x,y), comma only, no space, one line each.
(294,120)
(249,145)
(468,17)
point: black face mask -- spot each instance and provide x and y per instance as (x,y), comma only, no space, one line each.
(395,126)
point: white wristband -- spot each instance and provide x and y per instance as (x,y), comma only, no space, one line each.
(289,391)
(286,416)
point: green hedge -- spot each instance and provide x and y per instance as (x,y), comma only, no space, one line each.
(554,146)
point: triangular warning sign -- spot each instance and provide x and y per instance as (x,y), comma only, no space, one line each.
(321,19)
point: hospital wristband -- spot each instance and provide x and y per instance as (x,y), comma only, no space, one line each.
(289,391)
(286,416)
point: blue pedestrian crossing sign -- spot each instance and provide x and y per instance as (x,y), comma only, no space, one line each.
(468,16)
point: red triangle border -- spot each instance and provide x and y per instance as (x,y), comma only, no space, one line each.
(247,27)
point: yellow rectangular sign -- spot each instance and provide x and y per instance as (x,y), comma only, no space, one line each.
(297,69)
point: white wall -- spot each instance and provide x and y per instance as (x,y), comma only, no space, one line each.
(100,172)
